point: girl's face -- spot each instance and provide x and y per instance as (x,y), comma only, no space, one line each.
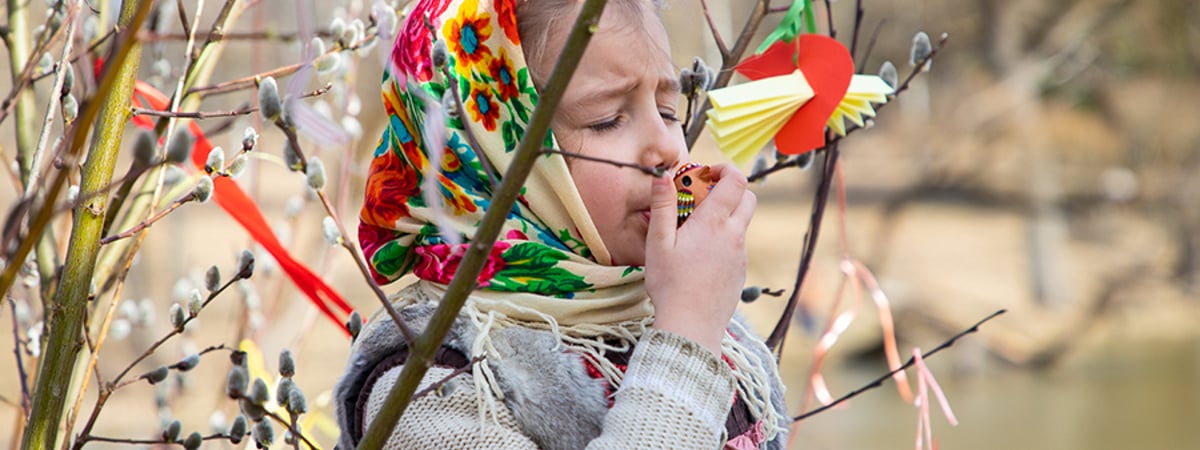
(620,105)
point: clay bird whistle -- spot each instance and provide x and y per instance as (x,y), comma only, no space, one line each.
(692,183)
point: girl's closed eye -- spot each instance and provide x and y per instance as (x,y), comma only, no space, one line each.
(606,125)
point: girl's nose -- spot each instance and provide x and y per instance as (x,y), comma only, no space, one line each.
(664,143)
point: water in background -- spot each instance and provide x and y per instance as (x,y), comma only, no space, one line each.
(1126,396)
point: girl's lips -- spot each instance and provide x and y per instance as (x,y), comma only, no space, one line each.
(645,214)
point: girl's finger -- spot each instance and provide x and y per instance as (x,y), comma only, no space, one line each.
(726,194)
(745,210)
(664,215)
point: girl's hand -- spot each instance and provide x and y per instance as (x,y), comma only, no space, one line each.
(695,274)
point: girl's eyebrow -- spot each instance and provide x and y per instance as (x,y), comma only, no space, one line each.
(616,88)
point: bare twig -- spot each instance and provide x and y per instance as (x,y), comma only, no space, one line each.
(911,360)
(446,379)
(775,339)
(93,48)
(652,171)
(20,83)
(829,19)
(761,8)
(24,379)
(871,42)
(712,26)
(149,221)
(461,111)
(858,18)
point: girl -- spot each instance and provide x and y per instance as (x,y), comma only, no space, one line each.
(602,324)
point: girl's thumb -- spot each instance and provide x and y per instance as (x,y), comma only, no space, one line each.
(664,212)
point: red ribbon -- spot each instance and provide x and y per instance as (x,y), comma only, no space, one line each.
(238,205)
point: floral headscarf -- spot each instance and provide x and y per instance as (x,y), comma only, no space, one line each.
(549,253)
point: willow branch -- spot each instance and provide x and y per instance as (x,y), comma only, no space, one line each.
(252,81)
(130,441)
(148,222)
(241,275)
(460,287)
(361,261)
(78,132)
(116,383)
(291,428)
(201,115)
(268,35)
(775,339)
(70,301)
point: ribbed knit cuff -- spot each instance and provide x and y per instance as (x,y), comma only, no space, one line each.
(685,371)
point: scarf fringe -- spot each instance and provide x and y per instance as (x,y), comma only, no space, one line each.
(593,341)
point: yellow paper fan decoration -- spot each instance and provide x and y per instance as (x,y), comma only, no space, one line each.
(745,117)
(856,105)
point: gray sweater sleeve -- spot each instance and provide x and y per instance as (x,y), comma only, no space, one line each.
(675,394)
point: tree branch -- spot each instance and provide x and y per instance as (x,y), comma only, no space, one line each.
(464,279)
(70,303)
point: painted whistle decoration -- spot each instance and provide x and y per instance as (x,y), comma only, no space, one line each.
(692,183)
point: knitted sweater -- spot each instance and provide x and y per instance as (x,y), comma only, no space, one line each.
(674,395)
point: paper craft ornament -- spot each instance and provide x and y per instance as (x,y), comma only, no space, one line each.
(856,105)
(798,15)
(745,117)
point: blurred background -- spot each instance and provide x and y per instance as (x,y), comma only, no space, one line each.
(1047,165)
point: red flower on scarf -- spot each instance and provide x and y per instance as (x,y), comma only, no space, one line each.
(410,52)
(466,36)
(482,108)
(439,262)
(506,14)
(501,70)
(390,182)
